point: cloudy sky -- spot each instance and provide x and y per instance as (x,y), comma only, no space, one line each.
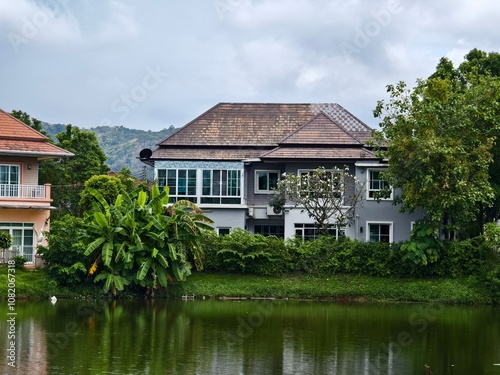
(151,64)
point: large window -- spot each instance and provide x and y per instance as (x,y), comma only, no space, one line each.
(181,183)
(202,186)
(22,239)
(270,230)
(379,232)
(9,180)
(376,184)
(221,186)
(311,231)
(266,181)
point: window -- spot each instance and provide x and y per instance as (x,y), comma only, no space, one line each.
(9,180)
(22,239)
(311,231)
(376,183)
(270,230)
(181,183)
(221,186)
(266,181)
(379,232)
(202,186)
(223,231)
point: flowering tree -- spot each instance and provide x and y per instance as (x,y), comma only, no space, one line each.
(323,193)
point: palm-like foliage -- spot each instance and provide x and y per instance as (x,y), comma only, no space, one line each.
(143,240)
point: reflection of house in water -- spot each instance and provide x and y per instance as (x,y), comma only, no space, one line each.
(31,347)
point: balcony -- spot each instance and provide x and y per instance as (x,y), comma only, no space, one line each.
(24,193)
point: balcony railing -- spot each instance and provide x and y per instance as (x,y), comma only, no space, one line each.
(23,191)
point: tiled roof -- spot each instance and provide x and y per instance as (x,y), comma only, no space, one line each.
(237,131)
(20,139)
(208,153)
(340,153)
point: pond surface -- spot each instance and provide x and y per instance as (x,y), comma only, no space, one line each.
(249,337)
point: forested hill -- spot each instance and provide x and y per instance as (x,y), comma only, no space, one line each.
(120,144)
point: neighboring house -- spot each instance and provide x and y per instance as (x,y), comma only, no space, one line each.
(228,160)
(24,205)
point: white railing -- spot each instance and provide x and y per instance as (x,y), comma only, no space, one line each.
(22,191)
(26,252)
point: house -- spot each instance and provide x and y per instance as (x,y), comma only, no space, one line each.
(228,159)
(24,204)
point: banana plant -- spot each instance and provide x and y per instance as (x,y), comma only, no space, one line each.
(142,239)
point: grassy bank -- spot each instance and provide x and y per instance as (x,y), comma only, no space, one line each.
(37,285)
(339,287)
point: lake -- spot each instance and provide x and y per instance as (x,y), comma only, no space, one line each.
(248,337)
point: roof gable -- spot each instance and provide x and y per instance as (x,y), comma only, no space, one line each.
(321,130)
(17,138)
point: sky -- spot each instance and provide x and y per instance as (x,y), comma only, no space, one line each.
(151,64)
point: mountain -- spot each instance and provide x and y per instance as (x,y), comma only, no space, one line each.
(121,145)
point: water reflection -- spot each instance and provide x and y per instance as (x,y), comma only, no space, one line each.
(252,337)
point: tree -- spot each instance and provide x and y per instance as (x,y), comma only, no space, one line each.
(30,121)
(323,193)
(143,240)
(68,175)
(439,138)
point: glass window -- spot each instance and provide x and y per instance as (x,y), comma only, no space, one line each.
(9,180)
(376,183)
(22,239)
(181,183)
(221,186)
(266,181)
(311,231)
(270,230)
(380,232)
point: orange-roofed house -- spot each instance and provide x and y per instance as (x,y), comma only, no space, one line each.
(24,204)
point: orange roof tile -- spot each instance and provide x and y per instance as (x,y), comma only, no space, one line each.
(20,139)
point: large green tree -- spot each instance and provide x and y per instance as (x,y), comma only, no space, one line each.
(439,139)
(69,175)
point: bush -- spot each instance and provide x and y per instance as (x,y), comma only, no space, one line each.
(242,251)
(19,262)
(64,258)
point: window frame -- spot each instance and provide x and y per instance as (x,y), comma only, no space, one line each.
(186,186)
(379,223)
(10,187)
(370,190)
(312,226)
(224,185)
(269,190)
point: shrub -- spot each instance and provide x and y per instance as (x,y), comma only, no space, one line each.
(19,262)
(64,258)
(242,251)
